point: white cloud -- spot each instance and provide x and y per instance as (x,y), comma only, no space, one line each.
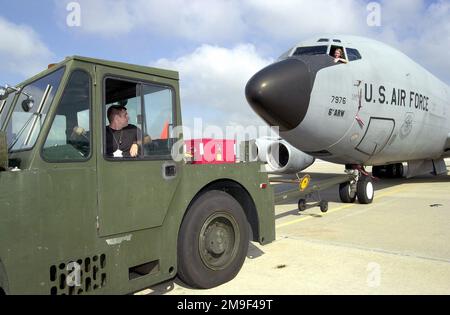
(220,21)
(106,17)
(213,79)
(421,30)
(294,20)
(433,44)
(196,20)
(21,51)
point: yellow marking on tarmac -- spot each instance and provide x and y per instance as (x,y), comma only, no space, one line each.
(394,191)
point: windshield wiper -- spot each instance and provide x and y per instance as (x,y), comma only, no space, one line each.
(33,118)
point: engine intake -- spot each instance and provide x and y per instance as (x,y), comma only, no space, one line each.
(285,159)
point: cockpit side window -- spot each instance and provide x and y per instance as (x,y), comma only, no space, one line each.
(309,51)
(333,50)
(353,54)
(285,55)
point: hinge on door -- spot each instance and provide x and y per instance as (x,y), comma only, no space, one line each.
(97,224)
(95,75)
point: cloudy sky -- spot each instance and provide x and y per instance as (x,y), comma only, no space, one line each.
(216,45)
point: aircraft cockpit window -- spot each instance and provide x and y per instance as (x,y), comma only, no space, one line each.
(312,50)
(353,54)
(285,55)
(333,50)
(337,52)
(337,40)
(323,40)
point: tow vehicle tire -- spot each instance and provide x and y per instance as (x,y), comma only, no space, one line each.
(346,194)
(365,190)
(213,241)
(302,205)
(324,206)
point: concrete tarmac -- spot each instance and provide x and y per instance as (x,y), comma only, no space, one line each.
(399,244)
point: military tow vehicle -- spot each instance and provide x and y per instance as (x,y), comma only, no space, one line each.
(76,221)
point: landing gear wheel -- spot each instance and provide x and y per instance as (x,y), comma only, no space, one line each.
(324,206)
(376,171)
(213,241)
(302,205)
(346,193)
(397,170)
(365,190)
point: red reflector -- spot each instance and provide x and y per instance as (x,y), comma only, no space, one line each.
(263,186)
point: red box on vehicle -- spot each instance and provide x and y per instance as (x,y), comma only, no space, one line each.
(211,151)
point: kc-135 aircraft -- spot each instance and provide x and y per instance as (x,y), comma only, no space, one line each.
(376,107)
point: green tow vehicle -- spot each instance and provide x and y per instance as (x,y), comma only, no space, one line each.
(74,220)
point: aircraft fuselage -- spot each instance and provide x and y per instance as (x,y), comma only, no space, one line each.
(379,108)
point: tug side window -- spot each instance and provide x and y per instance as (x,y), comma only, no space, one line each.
(159,120)
(150,109)
(69,138)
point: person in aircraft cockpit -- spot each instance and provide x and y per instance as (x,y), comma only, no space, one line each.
(339,56)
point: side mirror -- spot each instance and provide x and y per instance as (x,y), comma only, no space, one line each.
(28,104)
(3,93)
(6,90)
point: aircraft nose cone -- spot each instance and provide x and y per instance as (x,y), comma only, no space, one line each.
(280,93)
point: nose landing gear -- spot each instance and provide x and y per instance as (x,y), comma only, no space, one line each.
(361,188)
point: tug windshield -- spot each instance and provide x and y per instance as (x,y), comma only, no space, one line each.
(25,123)
(4,108)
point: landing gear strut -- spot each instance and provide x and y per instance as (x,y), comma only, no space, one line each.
(361,188)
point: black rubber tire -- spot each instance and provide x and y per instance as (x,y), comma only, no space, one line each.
(324,206)
(382,171)
(395,170)
(376,171)
(345,193)
(399,170)
(390,171)
(365,190)
(302,205)
(192,268)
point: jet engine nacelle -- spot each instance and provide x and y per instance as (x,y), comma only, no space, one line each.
(285,159)
(262,145)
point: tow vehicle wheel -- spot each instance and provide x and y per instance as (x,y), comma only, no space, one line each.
(365,190)
(302,205)
(213,241)
(324,206)
(346,193)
